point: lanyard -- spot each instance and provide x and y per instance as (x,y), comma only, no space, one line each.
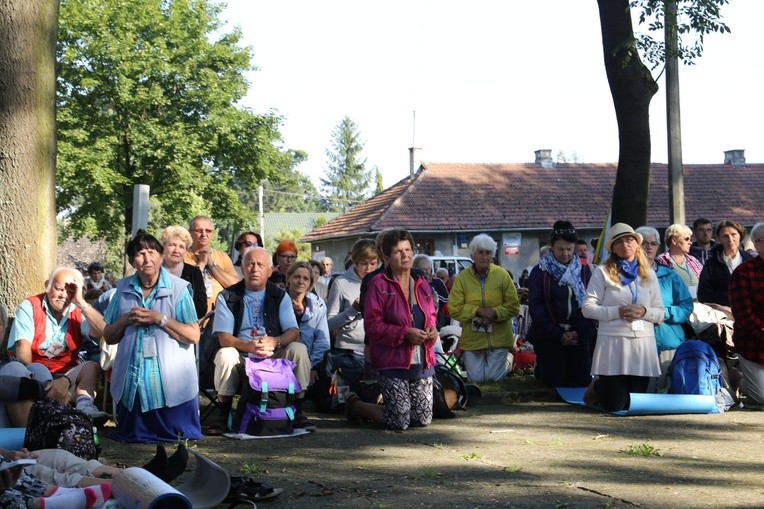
(634,292)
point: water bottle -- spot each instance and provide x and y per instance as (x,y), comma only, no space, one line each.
(97,442)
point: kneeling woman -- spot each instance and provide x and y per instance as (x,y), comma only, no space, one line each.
(154,380)
(399,319)
(623,295)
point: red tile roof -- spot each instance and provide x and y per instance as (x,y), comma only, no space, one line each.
(499,197)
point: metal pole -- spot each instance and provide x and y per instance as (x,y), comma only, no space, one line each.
(673,118)
(262,216)
(140,207)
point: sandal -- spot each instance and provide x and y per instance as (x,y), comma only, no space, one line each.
(244,487)
(241,502)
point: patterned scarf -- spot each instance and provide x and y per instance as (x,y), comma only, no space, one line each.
(569,274)
(627,270)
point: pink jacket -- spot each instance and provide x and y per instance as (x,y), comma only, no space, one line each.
(386,319)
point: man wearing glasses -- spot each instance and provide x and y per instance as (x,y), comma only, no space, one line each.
(215,265)
(704,233)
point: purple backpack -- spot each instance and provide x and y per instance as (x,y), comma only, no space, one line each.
(266,406)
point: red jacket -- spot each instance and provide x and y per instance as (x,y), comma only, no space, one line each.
(747,303)
(386,319)
(68,358)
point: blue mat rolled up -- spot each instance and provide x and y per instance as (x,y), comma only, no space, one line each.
(649,404)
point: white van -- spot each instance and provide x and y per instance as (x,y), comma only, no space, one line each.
(454,264)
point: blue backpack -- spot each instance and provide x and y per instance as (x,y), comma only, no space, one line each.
(695,369)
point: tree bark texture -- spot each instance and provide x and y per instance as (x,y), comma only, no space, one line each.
(632,87)
(28,236)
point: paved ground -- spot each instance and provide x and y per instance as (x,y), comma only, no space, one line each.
(524,450)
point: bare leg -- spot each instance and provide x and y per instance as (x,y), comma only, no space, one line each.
(356,406)
(18,412)
(87,380)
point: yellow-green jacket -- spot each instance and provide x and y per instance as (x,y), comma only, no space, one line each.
(499,293)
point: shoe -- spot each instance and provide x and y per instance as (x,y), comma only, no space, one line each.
(87,406)
(300,421)
(590,396)
(158,464)
(176,464)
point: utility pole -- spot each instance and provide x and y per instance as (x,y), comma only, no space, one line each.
(673,117)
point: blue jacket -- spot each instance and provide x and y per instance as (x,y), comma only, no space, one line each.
(677,302)
(314,330)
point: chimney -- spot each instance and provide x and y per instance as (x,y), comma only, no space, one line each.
(736,158)
(414,160)
(544,158)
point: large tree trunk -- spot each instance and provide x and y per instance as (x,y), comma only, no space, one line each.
(27,146)
(632,87)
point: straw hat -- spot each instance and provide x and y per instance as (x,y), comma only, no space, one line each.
(619,230)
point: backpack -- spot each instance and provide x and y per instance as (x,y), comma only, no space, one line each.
(53,425)
(266,406)
(449,393)
(695,369)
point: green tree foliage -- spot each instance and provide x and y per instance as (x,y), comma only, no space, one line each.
(695,20)
(347,180)
(380,186)
(146,94)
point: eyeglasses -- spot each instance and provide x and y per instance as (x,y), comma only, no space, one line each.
(288,257)
(650,244)
(759,241)
(623,240)
(246,243)
(199,231)
(564,231)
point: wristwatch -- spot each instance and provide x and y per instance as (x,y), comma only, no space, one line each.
(163,322)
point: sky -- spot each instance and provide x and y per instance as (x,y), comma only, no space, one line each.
(482,81)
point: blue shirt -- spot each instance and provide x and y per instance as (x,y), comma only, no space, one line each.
(143,373)
(55,332)
(252,316)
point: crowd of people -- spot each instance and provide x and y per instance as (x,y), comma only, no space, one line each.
(612,327)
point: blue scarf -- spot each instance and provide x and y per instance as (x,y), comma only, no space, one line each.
(627,271)
(569,274)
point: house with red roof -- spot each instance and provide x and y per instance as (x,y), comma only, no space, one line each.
(444,205)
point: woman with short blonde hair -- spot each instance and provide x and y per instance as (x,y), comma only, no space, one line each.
(677,257)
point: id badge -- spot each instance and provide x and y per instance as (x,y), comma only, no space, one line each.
(638,325)
(149,341)
(417,357)
(208,284)
(54,350)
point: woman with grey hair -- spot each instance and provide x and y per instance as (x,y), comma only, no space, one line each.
(677,303)
(423,263)
(484,299)
(678,258)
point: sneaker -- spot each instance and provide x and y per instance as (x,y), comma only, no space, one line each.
(87,406)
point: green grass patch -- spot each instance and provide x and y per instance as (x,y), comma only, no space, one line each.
(471,456)
(645,450)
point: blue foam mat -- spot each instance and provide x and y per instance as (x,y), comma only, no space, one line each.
(12,438)
(649,404)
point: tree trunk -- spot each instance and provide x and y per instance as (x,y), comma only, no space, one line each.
(27,146)
(632,87)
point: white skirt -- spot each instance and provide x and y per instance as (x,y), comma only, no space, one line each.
(616,355)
